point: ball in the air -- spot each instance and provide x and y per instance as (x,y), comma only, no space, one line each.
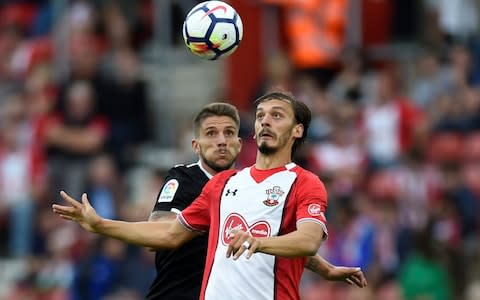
(212,29)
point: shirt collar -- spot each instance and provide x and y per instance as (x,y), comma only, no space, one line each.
(204,170)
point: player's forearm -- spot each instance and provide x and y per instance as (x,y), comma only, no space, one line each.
(147,234)
(293,244)
(318,265)
(161,216)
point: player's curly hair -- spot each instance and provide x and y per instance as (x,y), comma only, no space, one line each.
(302,113)
(218,109)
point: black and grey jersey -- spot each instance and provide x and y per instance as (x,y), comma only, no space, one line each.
(180,271)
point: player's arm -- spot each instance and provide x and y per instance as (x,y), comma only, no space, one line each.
(304,241)
(167,234)
(322,267)
(160,216)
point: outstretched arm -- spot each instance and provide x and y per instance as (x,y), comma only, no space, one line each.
(322,267)
(167,234)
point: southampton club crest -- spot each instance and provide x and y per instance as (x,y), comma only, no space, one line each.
(273,195)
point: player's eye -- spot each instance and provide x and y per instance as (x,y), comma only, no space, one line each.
(229,133)
(210,133)
(277,115)
(260,116)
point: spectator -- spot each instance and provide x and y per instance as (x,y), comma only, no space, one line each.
(389,122)
(18,177)
(124,103)
(98,275)
(431,79)
(422,275)
(73,138)
(340,159)
(105,185)
(354,81)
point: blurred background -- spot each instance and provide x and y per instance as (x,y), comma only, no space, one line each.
(98,96)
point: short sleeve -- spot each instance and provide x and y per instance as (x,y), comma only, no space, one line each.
(173,193)
(312,201)
(196,217)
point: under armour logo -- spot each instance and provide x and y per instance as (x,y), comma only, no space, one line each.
(234,192)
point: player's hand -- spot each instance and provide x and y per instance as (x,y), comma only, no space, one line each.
(80,212)
(353,276)
(241,241)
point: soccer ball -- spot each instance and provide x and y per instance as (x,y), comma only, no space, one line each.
(212,29)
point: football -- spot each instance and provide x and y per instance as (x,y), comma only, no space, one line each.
(212,29)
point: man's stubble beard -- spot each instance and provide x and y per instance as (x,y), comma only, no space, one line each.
(271,150)
(266,150)
(217,168)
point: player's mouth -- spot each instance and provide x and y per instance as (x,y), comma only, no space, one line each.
(223,152)
(265,134)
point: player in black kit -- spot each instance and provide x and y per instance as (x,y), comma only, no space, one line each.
(180,271)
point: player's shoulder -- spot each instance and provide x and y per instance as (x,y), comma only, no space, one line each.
(184,170)
(306,175)
(224,175)
(308,183)
(220,179)
(182,179)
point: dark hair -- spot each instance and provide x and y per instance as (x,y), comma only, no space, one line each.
(219,109)
(301,112)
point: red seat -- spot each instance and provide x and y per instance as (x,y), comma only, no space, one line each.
(382,186)
(445,148)
(21,14)
(471,147)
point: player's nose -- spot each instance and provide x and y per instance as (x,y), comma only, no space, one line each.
(265,121)
(222,140)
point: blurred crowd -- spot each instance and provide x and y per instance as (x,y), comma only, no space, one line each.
(75,125)
(397,145)
(402,168)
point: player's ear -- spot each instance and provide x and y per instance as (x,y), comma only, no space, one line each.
(240,143)
(298,131)
(195,146)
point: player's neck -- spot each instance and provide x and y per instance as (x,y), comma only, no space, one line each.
(278,159)
(207,169)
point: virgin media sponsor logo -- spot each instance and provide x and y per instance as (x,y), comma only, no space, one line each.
(235,222)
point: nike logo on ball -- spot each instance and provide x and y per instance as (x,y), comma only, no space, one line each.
(214,9)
